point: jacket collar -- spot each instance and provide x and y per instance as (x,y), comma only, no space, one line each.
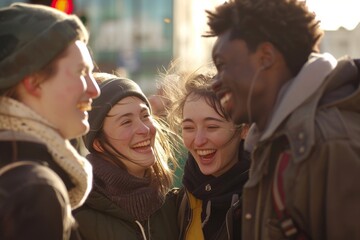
(300,126)
(301,88)
(338,91)
(293,94)
(298,131)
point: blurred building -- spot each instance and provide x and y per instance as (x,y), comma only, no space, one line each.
(132,37)
(342,42)
(139,38)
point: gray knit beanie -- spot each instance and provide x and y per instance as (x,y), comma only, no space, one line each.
(112,91)
(31,36)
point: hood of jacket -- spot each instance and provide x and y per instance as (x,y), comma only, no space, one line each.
(295,112)
(335,82)
(101,203)
(311,77)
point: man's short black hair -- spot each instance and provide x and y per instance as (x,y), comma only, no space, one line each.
(287,24)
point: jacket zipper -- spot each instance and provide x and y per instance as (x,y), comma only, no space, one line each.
(189,215)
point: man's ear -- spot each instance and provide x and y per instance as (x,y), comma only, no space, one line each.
(31,85)
(268,54)
(97,146)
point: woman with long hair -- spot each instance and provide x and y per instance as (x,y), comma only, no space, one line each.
(217,165)
(129,152)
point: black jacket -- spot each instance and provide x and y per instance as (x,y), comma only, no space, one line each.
(34,202)
(223,215)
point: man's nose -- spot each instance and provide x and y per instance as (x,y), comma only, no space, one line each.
(216,83)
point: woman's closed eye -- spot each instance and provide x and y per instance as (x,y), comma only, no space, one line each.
(125,122)
(213,127)
(188,128)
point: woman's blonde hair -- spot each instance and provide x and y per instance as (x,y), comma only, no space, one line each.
(179,85)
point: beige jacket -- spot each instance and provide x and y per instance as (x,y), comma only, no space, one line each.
(318,121)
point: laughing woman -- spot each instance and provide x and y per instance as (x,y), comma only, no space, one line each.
(217,166)
(129,153)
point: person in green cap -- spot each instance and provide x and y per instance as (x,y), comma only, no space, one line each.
(129,151)
(46,91)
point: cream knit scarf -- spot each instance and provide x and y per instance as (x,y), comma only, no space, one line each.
(17,117)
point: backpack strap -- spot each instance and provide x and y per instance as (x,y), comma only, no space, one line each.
(290,230)
(14,165)
(182,209)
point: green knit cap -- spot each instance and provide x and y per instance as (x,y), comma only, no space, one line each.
(112,91)
(31,36)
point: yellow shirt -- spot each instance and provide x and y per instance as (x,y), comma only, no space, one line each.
(194,230)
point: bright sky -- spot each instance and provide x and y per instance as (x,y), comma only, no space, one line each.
(336,13)
(332,13)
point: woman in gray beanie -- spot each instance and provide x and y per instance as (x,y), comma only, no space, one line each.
(129,151)
(46,89)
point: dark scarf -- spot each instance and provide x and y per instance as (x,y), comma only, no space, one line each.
(222,188)
(137,196)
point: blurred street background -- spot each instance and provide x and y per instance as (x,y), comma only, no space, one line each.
(137,38)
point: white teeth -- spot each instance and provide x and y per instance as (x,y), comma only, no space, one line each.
(84,106)
(225,98)
(142,144)
(205,152)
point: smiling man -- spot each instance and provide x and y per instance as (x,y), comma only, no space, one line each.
(46,91)
(304,107)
